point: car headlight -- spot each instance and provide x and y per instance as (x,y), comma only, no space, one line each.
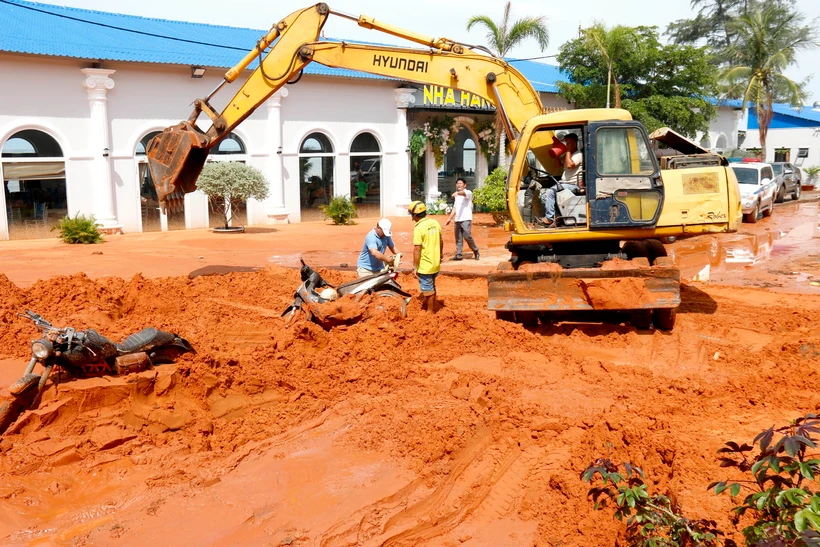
(747,203)
(42,348)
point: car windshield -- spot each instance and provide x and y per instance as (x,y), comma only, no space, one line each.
(367,165)
(777,168)
(746,175)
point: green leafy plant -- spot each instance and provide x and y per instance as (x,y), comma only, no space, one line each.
(492,196)
(784,505)
(228,184)
(812,173)
(651,521)
(80,229)
(417,143)
(340,209)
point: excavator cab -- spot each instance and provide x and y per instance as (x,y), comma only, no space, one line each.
(618,184)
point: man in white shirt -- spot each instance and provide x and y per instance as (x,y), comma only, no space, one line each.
(572,160)
(463,213)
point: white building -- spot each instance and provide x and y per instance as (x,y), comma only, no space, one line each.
(92,88)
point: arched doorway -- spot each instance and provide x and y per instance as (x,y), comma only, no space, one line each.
(365,175)
(721,145)
(315,175)
(463,150)
(34,184)
(231,148)
(149,205)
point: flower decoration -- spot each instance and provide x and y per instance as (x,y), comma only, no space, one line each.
(440,133)
(487,137)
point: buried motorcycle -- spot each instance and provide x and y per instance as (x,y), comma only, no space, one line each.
(83,354)
(315,290)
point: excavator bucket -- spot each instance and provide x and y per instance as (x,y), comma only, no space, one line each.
(624,285)
(176,158)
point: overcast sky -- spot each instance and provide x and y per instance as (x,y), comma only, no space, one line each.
(443,18)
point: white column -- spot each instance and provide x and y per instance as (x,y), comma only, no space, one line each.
(275,203)
(401,189)
(431,174)
(97,83)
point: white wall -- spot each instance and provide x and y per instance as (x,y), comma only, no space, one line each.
(149,98)
(725,126)
(794,138)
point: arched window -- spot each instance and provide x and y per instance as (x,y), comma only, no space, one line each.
(721,143)
(229,145)
(365,175)
(149,205)
(143,144)
(469,156)
(316,143)
(706,142)
(35,184)
(31,143)
(315,174)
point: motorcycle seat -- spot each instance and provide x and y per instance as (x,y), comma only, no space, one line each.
(145,339)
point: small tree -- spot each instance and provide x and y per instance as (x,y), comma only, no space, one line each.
(228,184)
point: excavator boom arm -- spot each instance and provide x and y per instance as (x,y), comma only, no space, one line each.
(177,155)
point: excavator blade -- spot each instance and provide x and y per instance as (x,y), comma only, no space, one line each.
(628,285)
(176,158)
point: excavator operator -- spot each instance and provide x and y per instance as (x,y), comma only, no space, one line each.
(572,159)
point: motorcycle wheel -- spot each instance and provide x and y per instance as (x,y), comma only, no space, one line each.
(400,298)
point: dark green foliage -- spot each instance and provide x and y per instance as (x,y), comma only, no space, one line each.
(492,197)
(340,209)
(80,229)
(651,520)
(661,85)
(782,498)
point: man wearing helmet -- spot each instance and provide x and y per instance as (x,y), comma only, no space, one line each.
(428,247)
(372,259)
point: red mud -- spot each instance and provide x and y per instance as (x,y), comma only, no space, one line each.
(440,430)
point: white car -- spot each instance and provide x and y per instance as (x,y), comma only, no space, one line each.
(758,189)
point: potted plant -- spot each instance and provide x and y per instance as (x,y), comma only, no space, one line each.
(812,173)
(340,210)
(492,196)
(227,184)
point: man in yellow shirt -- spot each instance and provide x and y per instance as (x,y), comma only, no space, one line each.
(428,246)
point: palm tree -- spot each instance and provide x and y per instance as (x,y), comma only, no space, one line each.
(611,45)
(766,43)
(501,38)
(504,36)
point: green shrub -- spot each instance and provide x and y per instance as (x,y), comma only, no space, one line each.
(80,229)
(782,501)
(340,209)
(228,184)
(651,520)
(492,197)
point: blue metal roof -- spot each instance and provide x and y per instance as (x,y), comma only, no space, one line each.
(44,29)
(807,113)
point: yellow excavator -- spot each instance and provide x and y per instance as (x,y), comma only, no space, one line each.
(602,250)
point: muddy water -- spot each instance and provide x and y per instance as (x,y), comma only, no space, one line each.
(453,429)
(780,253)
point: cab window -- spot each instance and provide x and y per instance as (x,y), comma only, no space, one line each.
(622,151)
(766,173)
